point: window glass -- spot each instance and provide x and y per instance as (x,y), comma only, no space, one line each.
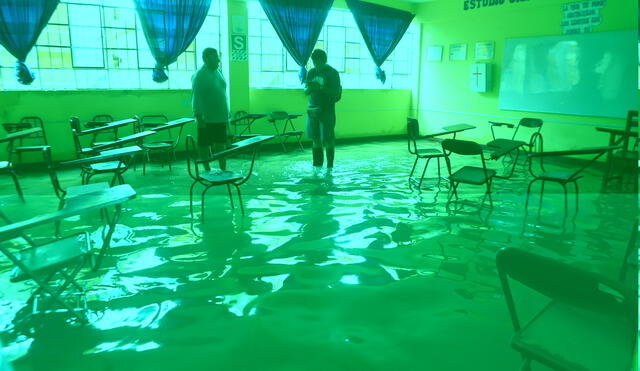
(99,44)
(271,66)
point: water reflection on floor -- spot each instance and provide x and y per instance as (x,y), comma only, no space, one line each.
(349,270)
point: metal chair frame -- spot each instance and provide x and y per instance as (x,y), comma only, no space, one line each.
(169,147)
(413,133)
(621,164)
(226,178)
(527,122)
(284,135)
(468,148)
(570,287)
(562,178)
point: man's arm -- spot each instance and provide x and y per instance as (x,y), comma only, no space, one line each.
(332,88)
(196,96)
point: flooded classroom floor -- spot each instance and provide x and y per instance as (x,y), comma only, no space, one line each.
(352,270)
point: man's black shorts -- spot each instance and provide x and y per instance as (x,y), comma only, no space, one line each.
(212,133)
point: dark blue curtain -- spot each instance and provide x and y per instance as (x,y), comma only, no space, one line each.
(298,24)
(382,29)
(169,27)
(21,22)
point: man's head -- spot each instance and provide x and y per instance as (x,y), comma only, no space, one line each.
(211,58)
(319,58)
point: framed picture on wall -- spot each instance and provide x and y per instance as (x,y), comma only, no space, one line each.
(434,53)
(458,52)
(484,50)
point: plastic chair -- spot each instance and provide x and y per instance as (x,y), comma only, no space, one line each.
(469,174)
(285,134)
(590,322)
(413,133)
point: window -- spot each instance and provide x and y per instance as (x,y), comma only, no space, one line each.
(99,44)
(271,66)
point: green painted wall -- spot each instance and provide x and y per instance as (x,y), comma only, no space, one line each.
(445,97)
(360,113)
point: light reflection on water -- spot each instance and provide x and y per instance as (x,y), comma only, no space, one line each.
(354,270)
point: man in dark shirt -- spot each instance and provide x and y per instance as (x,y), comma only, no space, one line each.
(324,90)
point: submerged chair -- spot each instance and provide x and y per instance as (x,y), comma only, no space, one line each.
(167,146)
(54,265)
(590,322)
(622,165)
(286,132)
(218,178)
(413,133)
(561,177)
(502,147)
(59,260)
(469,174)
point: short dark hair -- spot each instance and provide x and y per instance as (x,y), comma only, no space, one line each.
(319,55)
(208,51)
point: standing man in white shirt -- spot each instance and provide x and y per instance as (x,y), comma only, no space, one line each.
(210,106)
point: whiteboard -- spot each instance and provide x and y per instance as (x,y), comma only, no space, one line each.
(591,74)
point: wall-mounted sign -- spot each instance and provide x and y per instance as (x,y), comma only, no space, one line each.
(458,52)
(478,4)
(239,48)
(581,16)
(484,50)
(434,53)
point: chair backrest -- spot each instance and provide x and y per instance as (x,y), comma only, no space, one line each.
(74,122)
(192,157)
(36,122)
(48,161)
(104,118)
(461,147)
(530,123)
(151,121)
(562,282)
(279,115)
(413,132)
(239,114)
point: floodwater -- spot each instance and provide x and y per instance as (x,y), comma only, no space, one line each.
(353,270)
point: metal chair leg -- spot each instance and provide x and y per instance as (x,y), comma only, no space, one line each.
(202,205)
(541,193)
(566,200)
(424,171)
(526,203)
(230,197)
(413,168)
(454,187)
(239,198)
(577,197)
(17,185)
(489,194)
(191,198)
